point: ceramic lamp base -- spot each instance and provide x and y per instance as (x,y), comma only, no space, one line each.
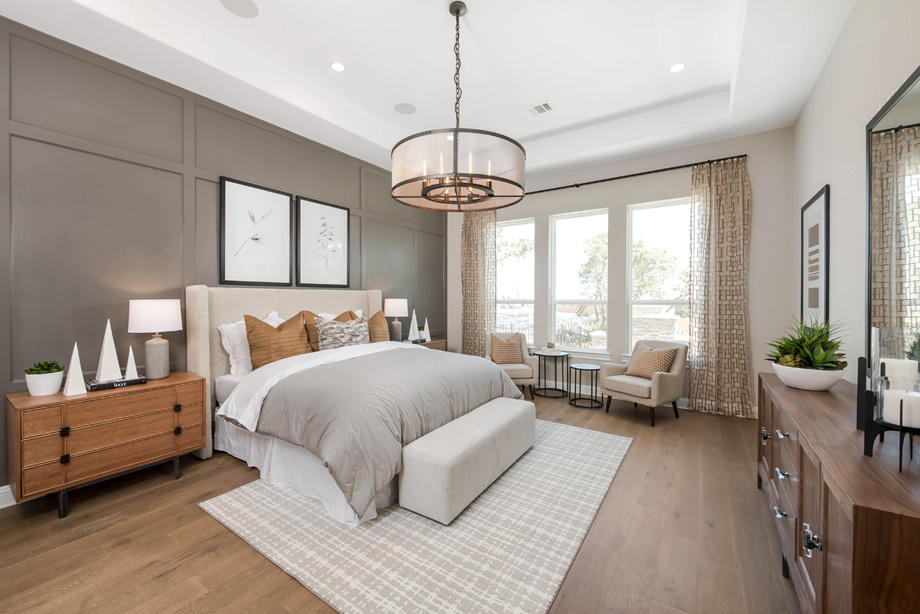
(395,330)
(157,360)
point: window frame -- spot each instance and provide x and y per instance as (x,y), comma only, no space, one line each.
(532,301)
(671,202)
(551,294)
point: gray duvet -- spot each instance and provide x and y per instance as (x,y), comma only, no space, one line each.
(357,414)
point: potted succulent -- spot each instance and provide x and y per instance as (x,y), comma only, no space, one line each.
(808,356)
(44,378)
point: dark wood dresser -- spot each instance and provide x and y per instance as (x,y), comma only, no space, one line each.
(55,443)
(848,524)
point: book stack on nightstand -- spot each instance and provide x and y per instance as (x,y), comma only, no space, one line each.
(437,343)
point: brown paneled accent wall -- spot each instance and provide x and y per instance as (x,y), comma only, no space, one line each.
(110,192)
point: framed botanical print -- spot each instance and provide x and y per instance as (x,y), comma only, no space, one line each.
(322,244)
(255,234)
(814,278)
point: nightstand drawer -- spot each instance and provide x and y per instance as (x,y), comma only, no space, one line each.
(121,457)
(90,438)
(192,393)
(42,449)
(120,406)
(191,437)
(43,477)
(41,421)
(193,414)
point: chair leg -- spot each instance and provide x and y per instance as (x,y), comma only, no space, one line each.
(531,391)
(674,405)
(651,415)
(635,405)
(607,410)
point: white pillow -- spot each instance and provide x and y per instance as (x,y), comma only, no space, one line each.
(233,338)
(331,316)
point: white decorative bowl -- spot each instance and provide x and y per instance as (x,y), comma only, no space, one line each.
(807,379)
(41,384)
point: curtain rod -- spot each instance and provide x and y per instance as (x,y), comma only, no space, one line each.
(896,128)
(651,172)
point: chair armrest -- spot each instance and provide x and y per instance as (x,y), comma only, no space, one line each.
(667,387)
(531,361)
(612,368)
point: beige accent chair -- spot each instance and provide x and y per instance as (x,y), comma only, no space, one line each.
(663,388)
(522,373)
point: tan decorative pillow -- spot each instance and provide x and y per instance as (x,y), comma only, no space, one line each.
(310,318)
(507,352)
(647,361)
(378,328)
(268,344)
(334,334)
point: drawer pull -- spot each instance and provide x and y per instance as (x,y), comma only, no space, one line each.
(177,407)
(810,540)
(780,475)
(764,436)
(177,430)
(779,513)
(65,459)
(65,431)
(781,434)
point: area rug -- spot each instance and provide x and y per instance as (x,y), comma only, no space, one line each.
(507,552)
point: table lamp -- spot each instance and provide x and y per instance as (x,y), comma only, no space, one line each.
(155,316)
(395,308)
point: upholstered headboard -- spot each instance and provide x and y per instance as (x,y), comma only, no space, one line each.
(207,308)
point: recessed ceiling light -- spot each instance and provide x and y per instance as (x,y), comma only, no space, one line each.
(404,108)
(678,67)
(337,67)
(247,9)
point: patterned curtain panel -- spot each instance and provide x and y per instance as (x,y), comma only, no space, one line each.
(720,239)
(477,279)
(896,235)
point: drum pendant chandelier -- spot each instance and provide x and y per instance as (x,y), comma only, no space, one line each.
(458,169)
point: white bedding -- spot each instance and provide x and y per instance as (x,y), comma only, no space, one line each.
(224,385)
(244,404)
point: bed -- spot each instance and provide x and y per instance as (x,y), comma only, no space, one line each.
(331,424)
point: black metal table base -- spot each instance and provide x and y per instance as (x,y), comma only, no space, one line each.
(576,381)
(543,389)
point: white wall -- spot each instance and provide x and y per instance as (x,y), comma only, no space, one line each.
(876,52)
(774,244)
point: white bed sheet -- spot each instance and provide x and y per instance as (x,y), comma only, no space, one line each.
(224,385)
(283,462)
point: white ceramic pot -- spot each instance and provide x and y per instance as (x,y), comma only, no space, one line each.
(41,384)
(807,379)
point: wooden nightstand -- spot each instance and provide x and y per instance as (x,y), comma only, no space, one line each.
(438,343)
(55,443)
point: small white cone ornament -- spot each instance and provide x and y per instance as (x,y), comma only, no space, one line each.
(74,384)
(131,367)
(108,369)
(427,331)
(413,328)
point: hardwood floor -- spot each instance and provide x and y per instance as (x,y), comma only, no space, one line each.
(683,529)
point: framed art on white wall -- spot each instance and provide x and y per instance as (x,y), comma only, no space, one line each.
(815,239)
(255,234)
(322,244)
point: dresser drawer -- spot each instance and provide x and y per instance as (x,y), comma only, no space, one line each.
(787,478)
(42,477)
(784,514)
(121,457)
(41,421)
(119,406)
(191,394)
(191,437)
(42,449)
(90,438)
(192,414)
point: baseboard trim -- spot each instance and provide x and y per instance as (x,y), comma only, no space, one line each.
(6,497)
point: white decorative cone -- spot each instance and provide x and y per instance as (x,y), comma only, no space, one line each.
(108,369)
(131,367)
(74,384)
(427,331)
(413,328)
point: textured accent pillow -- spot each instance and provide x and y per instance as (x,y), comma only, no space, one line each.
(268,344)
(233,338)
(377,328)
(507,352)
(647,361)
(333,334)
(310,319)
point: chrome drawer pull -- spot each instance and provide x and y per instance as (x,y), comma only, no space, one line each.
(779,513)
(781,434)
(810,540)
(764,436)
(781,475)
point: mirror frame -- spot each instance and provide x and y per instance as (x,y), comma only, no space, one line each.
(878,117)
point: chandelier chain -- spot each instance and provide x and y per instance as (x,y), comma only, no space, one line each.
(457,71)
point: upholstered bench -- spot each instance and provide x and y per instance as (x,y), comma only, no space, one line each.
(445,470)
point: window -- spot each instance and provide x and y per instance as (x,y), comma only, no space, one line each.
(514,242)
(659,272)
(579,280)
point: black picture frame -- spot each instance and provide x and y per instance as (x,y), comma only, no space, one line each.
(821,199)
(222,235)
(299,247)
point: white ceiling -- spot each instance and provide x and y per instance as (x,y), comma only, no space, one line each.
(603,65)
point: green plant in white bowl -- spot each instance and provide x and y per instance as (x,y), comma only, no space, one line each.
(44,378)
(808,356)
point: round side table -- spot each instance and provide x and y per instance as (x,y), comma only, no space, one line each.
(560,360)
(578,372)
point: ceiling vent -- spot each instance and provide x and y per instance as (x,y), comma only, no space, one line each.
(539,109)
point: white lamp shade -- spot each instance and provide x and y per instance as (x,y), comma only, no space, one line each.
(396,307)
(154,315)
